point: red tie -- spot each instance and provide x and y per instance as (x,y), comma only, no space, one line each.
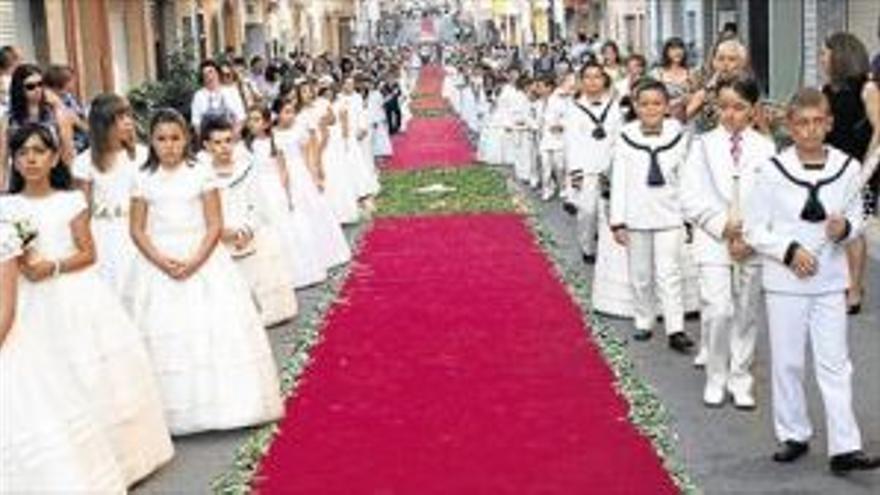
(736,148)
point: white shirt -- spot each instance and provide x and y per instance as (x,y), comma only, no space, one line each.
(223,100)
(554,115)
(584,150)
(634,202)
(773,219)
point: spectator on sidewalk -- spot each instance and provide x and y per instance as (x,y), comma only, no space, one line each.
(60,79)
(215,98)
(845,62)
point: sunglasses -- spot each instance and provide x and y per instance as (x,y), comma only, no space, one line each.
(33,85)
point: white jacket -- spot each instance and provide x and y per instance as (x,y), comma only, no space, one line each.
(707,187)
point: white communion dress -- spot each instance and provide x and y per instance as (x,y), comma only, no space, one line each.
(327,241)
(340,188)
(293,227)
(88,328)
(203,333)
(50,439)
(111,195)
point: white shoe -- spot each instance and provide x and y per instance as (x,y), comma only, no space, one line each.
(713,396)
(743,400)
(702,358)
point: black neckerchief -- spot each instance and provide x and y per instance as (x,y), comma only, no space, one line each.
(599,132)
(655,174)
(813,210)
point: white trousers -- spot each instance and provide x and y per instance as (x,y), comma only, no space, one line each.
(792,320)
(525,158)
(587,201)
(655,261)
(552,171)
(728,318)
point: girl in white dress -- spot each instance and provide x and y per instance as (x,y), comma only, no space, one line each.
(293,227)
(253,245)
(50,440)
(379,122)
(298,141)
(339,188)
(105,172)
(355,125)
(203,332)
(81,317)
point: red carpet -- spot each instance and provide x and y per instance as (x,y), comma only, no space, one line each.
(457,364)
(431,141)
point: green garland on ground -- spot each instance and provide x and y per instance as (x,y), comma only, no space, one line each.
(430,112)
(443,191)
(239,478)
(646,411)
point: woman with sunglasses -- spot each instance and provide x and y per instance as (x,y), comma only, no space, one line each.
(30,103)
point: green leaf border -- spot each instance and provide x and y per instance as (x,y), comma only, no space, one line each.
(239,478)
(646,412)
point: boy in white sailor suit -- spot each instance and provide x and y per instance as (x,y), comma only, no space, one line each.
(522,123)
(715,182)
(804,207)
(646,214)
(552,144)
(592,123)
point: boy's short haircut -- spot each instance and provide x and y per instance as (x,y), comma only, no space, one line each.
(214,123)
(650,84)
(807,98)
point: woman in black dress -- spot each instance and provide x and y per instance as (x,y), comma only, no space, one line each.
(850,92)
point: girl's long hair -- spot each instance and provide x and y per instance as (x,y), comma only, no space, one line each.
(248,137)
(105,110)
(59,176)
(167,116)
(18,105)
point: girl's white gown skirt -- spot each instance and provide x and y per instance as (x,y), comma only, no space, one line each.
(339,186)
(381,139)
(89,328)
(211,354)
(612,293)
(363,173)
(57,444)
(292,230)
(270,287)
(116,251)
(316,226)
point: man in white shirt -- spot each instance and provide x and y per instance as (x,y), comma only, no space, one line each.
(213,98)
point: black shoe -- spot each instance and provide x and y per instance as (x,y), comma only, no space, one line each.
(854,309)
(679,341)
(569,208)
(643,335)
(589,259)
(842,464)
(791,451)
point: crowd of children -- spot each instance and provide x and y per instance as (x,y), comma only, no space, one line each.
(684,203)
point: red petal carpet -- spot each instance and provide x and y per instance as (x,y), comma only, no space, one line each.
(434,141)
(457,363)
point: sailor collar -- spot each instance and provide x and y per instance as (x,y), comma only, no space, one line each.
(599,132)
(655,173)
(813,210)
